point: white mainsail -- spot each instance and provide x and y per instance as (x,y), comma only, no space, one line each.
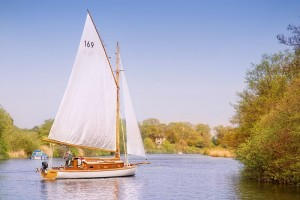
(87,114)
(134,140)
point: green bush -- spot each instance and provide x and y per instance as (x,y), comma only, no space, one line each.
(272,153)
(6,124)
(168,147)
(3,150)
(23,140)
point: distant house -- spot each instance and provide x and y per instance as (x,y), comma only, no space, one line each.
(159,140)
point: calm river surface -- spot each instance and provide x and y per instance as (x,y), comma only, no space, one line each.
(167,177)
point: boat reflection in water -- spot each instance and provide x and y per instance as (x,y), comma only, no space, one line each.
(110,188)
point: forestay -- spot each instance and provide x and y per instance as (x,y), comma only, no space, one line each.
(87,114)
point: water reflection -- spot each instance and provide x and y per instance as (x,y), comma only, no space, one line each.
(111,188)
(247,189)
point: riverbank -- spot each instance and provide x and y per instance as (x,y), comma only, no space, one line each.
(21,154)
(213,152)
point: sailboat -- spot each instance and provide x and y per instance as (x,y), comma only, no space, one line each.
(89,114)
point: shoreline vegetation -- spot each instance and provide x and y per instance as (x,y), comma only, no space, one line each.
(172,138)
(158,138)
(220,152)
(213,152)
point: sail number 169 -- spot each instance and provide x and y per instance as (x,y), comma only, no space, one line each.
(88,44)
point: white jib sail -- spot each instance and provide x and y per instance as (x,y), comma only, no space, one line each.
(134,140)
(87,114)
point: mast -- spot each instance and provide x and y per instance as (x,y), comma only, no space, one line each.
(117,155)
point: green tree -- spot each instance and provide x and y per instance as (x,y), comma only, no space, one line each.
(266,84)
(149,145)
(181,146)
(19,139)
(6,125)
(204,131)
(272,152)
(152,128)
(179,131)
(267,117)
(44,129)
(168,147)
(226,137)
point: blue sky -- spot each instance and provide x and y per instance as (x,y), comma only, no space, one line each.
(185,60)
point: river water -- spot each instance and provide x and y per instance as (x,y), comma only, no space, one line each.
(167,177)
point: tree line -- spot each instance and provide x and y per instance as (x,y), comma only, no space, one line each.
(175,137)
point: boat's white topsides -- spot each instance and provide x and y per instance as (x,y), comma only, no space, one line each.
(122,172)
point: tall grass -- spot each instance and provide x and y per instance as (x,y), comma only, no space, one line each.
(219,152)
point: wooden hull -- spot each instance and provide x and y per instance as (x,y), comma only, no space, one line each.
(85,174)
